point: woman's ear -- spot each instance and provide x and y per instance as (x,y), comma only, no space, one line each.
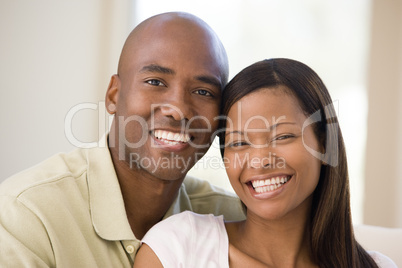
(112,94)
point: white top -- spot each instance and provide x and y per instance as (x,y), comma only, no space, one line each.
(190,240)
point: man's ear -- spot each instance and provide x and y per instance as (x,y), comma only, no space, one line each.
(112,94)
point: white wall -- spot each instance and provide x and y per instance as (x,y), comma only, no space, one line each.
(383,172)
(54,55)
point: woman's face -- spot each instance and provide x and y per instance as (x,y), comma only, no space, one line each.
(266,157)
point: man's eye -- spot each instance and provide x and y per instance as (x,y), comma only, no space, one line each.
(203,92)
(155,82)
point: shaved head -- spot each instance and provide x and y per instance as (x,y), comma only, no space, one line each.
(180,26)
(171,74)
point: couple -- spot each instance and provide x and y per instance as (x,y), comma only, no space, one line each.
(93,207)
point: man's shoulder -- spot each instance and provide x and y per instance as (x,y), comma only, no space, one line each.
(206,198)
(198,188)
(55,168)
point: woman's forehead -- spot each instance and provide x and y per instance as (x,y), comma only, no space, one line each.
(267,107)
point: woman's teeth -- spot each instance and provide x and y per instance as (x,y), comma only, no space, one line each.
(267,185)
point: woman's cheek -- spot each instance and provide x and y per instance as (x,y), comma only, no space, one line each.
(237,169)
(232,169)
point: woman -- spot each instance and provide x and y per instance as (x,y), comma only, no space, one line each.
(285,158)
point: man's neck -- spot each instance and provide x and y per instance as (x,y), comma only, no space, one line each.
(146,197)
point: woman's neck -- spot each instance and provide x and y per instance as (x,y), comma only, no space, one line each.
(283,242)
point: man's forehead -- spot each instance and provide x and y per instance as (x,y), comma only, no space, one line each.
(173,18)
(169,32)
(162,28)
(170,22)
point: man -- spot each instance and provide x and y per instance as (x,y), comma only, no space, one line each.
(91,207)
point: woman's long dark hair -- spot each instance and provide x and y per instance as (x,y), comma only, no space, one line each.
(332,240)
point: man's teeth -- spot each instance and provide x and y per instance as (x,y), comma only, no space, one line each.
(262,186)
(171,137)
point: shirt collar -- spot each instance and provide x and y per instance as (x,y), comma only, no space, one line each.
(108,213)
(181,203)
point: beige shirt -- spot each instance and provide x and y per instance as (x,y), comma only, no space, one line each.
(68,211)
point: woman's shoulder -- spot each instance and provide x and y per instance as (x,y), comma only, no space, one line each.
(381,260)
(189,239)
(193,218)
(200,218)
(185,224)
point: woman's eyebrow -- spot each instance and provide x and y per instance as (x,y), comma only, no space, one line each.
(234,132)
(270,128)
(281,123)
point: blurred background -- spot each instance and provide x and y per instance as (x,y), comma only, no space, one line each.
(56,59)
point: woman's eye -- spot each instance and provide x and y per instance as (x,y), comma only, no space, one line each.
(237,144)
(203,92)
(283,137)
(155,82)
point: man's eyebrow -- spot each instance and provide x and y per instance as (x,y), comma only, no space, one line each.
(154,68)
(210,80)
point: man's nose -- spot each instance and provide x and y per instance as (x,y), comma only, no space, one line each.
(178,105)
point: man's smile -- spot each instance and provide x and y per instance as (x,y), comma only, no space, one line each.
(169,137)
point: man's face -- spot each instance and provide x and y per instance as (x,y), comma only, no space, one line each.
(167,102)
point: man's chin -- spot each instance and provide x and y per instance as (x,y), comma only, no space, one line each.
(168,169)
(168,174)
